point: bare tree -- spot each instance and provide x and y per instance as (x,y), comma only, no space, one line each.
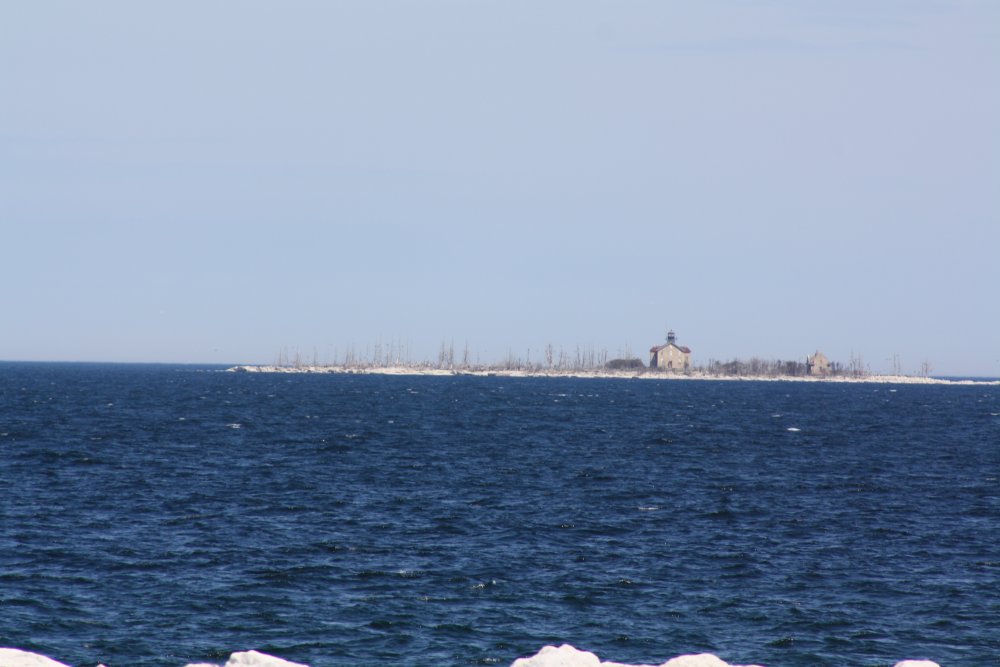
(857,365)
(897,367)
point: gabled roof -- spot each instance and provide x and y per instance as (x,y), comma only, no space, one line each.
(685,350)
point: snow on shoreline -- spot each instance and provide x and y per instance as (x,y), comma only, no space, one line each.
(12,657)
(549,656)
(631,375)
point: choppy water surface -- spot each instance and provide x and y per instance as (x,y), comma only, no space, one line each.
(159,515)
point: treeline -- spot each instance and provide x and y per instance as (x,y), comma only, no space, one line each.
(378,355)
(551,358)
(758,367)
(396,354)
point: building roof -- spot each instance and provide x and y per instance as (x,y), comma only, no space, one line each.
(657,348)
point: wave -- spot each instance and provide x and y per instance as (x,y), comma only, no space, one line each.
(550,656)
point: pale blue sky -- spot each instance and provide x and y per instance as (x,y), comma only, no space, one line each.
(214,181)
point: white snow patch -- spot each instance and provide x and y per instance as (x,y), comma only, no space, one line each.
(550,656)
(700,660)
(12,657)
(563,656)
(256,659)
(568,656)
(250,659)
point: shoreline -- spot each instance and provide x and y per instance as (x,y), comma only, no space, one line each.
(549,656)
(600,374)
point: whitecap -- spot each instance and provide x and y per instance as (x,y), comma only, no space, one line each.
(235,425)
(407,574)
(648,508)
(792,429)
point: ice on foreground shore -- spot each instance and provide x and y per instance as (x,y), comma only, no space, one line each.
(550,656)
(12,657)
(251,659)
(568,656)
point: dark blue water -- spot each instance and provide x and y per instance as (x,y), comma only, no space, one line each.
(159,515)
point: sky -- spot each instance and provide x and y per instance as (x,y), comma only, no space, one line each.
(215,182)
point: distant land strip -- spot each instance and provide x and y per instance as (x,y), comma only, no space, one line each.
(637,374)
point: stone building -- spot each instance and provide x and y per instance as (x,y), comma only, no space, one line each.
(817,364)
(670,357)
